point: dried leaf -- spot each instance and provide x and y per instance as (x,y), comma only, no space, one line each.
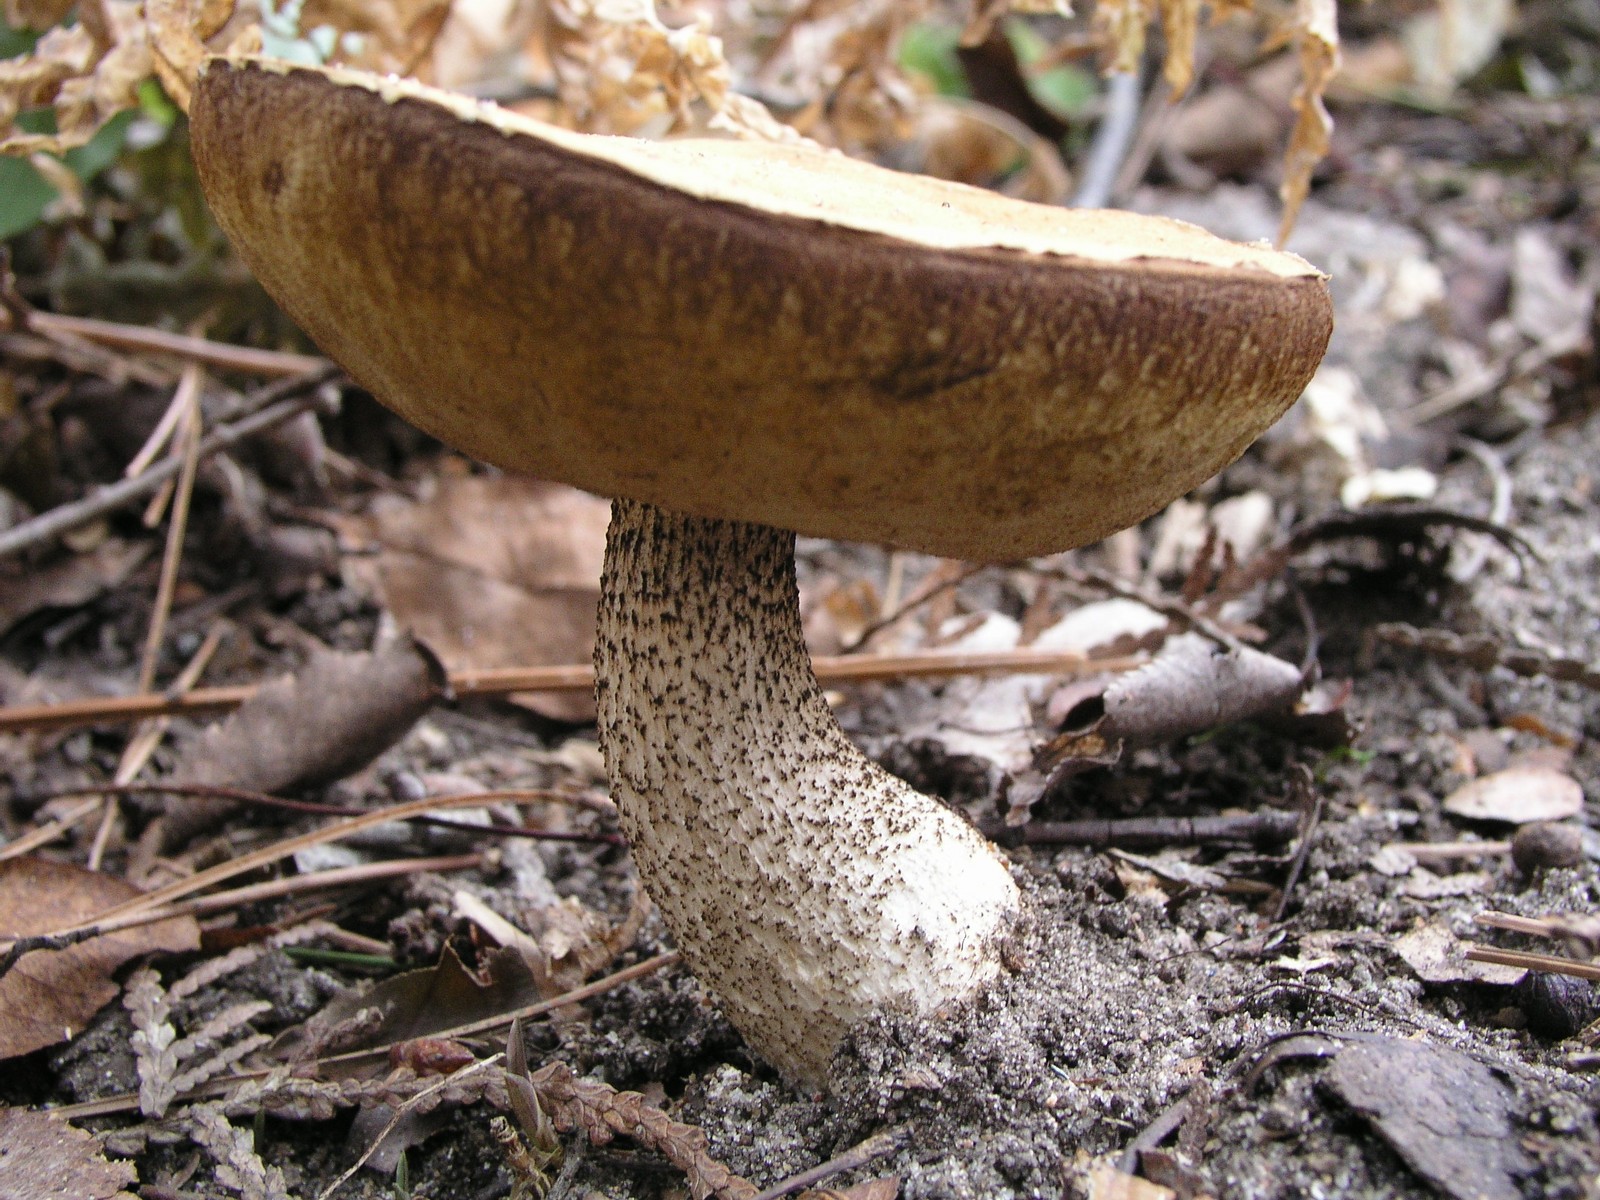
(1191,686)
(338,713)
(49,995)
(842,60)
(417,1004)
(333,716)
(1438,956)
(390,36)
(1108,1183)
(494,571)
(1454,40)
(70,583)
(1180,23)
(986,14)
(88,72)
(1122,23)
(1316,34)
(43,1156)
(1444,1113)
(1518,795)
(618,67)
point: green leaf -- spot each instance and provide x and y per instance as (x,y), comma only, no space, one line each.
(1066,91)
(24,195)
(929,50)
(100,151)
(16,42)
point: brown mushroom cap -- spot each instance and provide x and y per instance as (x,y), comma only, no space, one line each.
(752,331)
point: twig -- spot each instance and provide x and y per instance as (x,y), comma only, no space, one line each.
(1552,964)
(1303,788)
(879,1145)
(1153,1134)
(273,404)
(1112,136)
(1184,615)
(568,678)
(268,855)
(399,1114)
(1499,507)
(1482,653)
(1444,852)
(1266,828)
(46,834)
(172,555)
(1481,383)
(243,359)
(920,595)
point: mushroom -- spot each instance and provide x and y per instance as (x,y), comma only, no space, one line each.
(742,340)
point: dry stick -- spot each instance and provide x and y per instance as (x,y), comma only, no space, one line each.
(161,435)
(1303,787)
(924,592)
(276,852)
(187,431)
(1552,964)
(48,833)
(1267,827)
(879,1145)
(215,1087)
(221,901)
(221,355)
(569,678)
(1112,137)
(1445,852)
(245,796)
(274,404)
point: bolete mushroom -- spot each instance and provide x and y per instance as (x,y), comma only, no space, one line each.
(739,341)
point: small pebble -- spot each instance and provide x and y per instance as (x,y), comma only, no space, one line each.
(1545,844)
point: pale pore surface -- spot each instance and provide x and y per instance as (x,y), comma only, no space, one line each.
(805,886)
(825,186)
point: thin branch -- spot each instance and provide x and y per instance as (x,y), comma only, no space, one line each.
(574,677)
(273,404)
(276,852)
(879,1145)
(221,355)
(1552,964)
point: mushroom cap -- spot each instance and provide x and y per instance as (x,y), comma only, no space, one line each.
(746,330)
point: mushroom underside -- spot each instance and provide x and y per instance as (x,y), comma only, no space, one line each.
(807,887)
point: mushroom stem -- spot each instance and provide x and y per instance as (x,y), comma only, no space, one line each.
(806,886)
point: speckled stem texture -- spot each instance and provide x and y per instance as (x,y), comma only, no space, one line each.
(805,886)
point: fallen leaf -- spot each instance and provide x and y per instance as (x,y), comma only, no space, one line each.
(1517,796)
(70,583)
(1191,686)
(1108,1183)
(335,715)
(495,571)
(49,995)
(412,1005)
(42,1157)
(1445,1114)
(1425,885)
(1438,956)
(1454,39)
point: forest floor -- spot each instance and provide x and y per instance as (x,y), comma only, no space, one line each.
(1284,1011)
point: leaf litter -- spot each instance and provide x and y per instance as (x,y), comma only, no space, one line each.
(1143,973)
